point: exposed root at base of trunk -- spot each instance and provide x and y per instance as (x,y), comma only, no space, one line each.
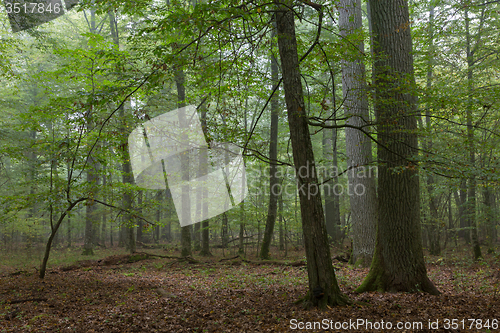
(309,301)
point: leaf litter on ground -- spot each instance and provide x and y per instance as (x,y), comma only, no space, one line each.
(153,296)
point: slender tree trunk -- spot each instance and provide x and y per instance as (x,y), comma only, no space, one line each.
(280,222)
(398,263)
(127,199)
(43,266)
(471,189)
(224,235)
(241,241)
(199,203)
(127,235)
(88,244)
(140,224)
(361,185)
(273,157)
(69,232)
(489,217)
(196,240)
(451,234)
(104,216)
(186,200)
(323,287)
(241,234)
(433,223)
(205,227)
(461,203)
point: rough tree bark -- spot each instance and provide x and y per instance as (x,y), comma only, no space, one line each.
(323,287)
(398,262)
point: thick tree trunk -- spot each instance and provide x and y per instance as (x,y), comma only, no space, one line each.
(398,262)
(273,167)
(323,287)
(361,186)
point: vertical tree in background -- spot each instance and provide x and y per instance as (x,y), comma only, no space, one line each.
(273,157)
(398,263)
(140,224)
(185,197)
(332,200)
(92,177)
(205,226)
(127,234)
(471,189)
(323,287)
(330,175)
(362,192)
(432,225)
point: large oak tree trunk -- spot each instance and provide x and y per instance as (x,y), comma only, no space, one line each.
(398,263)
(323,287)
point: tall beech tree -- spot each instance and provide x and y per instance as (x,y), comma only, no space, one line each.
(472,182)
(362,197)
(323,287)
(398,262)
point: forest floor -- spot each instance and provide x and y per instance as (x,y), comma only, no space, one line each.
(168,295)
